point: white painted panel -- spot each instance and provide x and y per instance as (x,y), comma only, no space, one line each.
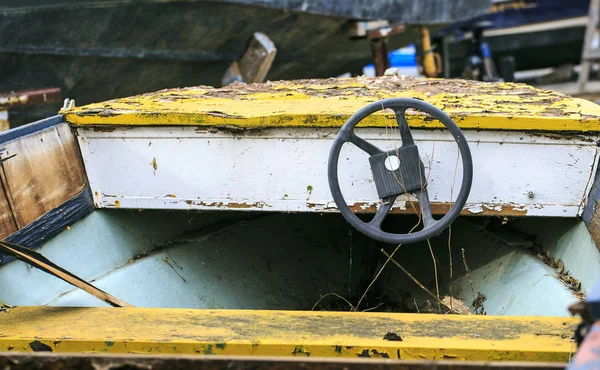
(286,170)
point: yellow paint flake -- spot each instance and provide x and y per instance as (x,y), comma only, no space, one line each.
(329,103)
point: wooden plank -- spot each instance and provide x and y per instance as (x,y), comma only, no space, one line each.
(256,62)
(52,361)
(329,103)
(46,172)
(287,333)
(589,52)
(8,223)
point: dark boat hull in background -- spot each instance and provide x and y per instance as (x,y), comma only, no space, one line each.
(98,50)
(538,33)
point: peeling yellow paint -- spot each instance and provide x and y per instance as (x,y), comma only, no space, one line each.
(286,333)
(329,103)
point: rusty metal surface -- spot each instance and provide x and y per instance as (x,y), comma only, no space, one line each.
(14,361)
(385,31)
(32,97)
(381,58)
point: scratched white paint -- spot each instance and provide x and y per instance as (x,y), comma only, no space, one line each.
(286,170)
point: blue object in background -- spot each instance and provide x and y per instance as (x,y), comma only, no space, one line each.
(404,59)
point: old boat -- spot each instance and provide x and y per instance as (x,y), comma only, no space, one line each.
(531,31)
(237,221)
(97,50)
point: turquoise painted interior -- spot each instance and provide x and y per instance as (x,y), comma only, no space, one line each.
(292,261)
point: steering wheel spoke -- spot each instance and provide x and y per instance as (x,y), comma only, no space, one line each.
(382,211)
(425,205)
(363,144)
(405,133)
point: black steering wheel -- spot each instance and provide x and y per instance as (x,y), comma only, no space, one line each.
(399,171)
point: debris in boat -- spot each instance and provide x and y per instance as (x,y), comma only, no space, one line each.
(410,276)
(572,284)
(38,261)
(4,307)
(456,305)
(562,274)
(478,304)
(518,239)
(392,337)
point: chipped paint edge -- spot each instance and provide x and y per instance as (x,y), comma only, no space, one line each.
(328,206)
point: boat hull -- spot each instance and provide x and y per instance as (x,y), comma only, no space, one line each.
(95,51)
(537,33)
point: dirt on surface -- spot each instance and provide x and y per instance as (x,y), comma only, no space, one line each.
(366,86)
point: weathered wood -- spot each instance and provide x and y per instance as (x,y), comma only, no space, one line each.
(52,223)
(256,62)
(44,186)
(50,361)
(8,223)
(46,172)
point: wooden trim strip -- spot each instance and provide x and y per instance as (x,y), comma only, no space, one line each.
(53,222)
(30,128)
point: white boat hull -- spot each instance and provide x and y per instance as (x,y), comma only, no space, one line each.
(285,170)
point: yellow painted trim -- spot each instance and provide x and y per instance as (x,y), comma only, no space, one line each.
(285,333)
(329,103)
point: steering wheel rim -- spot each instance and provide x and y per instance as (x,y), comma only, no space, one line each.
(372,229)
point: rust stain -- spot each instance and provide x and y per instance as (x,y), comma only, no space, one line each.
(245,205)
(117,204)
(231,205)
(436,209)
(103,129)
(171,196)
(154,165)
